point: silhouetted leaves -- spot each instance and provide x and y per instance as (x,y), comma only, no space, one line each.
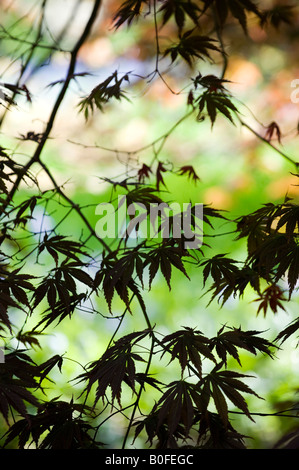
(289,441)
(129,11)
(278,15)
(60,244)
(237,8)
(143,195)
(272,297)
(228,342)
(179,9)
(13,292)
(17,374)
(164,258)
(175,410)
(28,338)
(210,82)
(60,284)
(165,439)
(115,367)
(102,93)
(288,331)
(213,434)
(188,345)
(61,310)
(226,287)
(210,212)
(219,267)
(55,426)
(144,173)
(159,175)
(221,385)
(47,366)
(214,103)
(273,130)
(9,90)
(278,257)
(190,172)
(117,276)
(192,46)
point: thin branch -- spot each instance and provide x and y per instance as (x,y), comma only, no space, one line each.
(263,139)
(74,206)
(36,156)
(28,60)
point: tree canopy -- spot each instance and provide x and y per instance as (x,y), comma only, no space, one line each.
(149,224)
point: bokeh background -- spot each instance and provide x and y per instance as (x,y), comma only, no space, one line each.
(238,173)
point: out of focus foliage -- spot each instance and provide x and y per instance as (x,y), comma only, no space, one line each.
(153,339)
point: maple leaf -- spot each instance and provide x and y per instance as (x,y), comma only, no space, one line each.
(61,283)
(33,136)
(102,93)
(159,177)
(15,90)
(286,220)
(188,345)
(228,342)
(222,385)
(28,337)
(60,244)
(6,302)
(164,258)
(179,10)
(227,287)
(47,366)
(277,15)
(116,366)
(55,426)
(272,298)
(166,440)
(117,275)
(129,11)
(143,195)
(238,9)
(17,374)
(210,212)
(278,256)
(273,129)
(214,103)
(143,173)
(189,171)
(211,82)
(192,46)
(175,409)
(219,267)
(288,331)
(61,310)
(213,434)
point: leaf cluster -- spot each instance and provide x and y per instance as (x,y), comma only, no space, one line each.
(102,94)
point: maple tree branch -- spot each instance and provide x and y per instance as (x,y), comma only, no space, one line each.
(74,206)
(276,414)
(266,141)
(220,39)
(73,59)
(141,389)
